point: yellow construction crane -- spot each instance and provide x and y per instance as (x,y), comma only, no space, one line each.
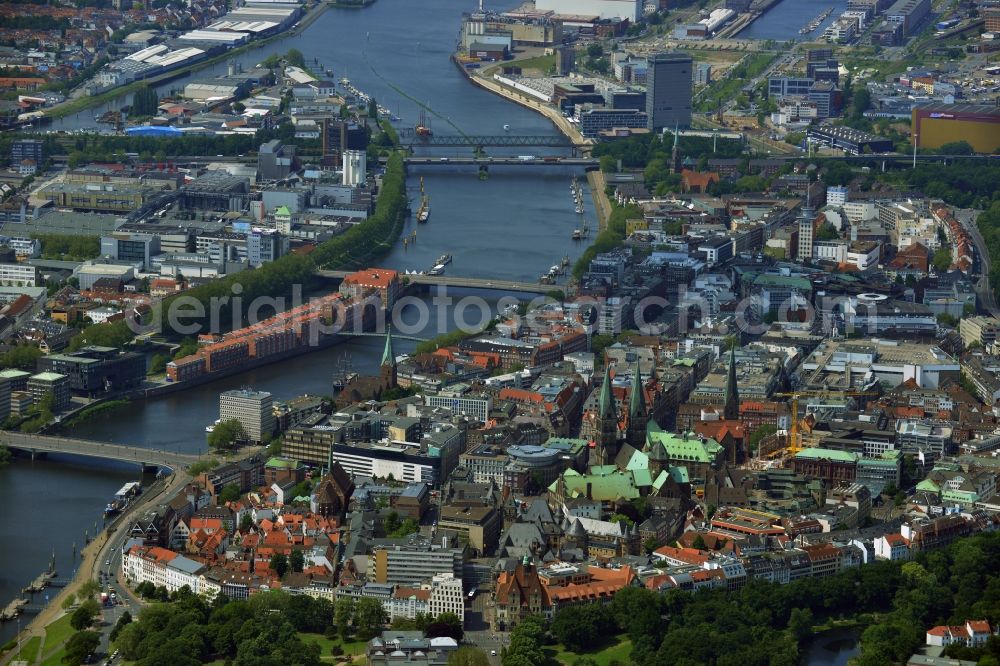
(794,436)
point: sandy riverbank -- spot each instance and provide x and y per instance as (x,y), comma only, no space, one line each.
(594,178)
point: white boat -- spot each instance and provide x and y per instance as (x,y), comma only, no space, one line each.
(437,270)
(507,127)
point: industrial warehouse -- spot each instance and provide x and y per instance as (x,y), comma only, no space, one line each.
(934,125)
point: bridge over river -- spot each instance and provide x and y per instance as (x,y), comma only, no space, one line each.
(147,458)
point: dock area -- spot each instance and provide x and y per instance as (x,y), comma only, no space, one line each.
(13,609)
(40,583)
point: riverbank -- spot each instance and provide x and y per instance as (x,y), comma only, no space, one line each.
(560,121)
(73,106)
(91,557)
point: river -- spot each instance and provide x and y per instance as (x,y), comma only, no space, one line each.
(513,226)
(783,21)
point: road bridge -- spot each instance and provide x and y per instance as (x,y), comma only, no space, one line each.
(461,282)
(147,458)
(586,162)
(410,138)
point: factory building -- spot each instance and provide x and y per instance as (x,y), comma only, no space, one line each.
(937,124)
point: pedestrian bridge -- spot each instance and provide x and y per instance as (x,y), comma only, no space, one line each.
(146,458)
(462,282)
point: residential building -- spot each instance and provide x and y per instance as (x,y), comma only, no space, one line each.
(50,383)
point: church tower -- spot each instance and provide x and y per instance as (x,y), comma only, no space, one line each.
(637,412)
(603,426)
(731,411)
(387,371)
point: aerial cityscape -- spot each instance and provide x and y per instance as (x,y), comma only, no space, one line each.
(584,332)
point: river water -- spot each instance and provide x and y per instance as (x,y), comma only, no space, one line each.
(514,226)
(783,21)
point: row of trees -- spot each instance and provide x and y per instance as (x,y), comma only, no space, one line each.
(69,246)
(764,623)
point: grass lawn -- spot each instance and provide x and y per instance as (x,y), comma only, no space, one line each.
(351,648)
(542,63)
(29,650)
(617,651)
(55,659)
(58,632)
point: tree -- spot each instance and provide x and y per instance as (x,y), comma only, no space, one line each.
(297,560)
(800,623)
(942,260)
(295,58)
(280,564)
(758,435)
(123,621)
(956,148)
(226,434)
(446,624)
(246,522)
(369,617)
(468,655)
(343,615)
(84,616)
(595,50)
(699,543)
(230,493)
(80,646)
(827,232)
(145,102)
(157,364)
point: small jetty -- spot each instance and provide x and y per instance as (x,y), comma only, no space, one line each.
(13,609)
(40,583)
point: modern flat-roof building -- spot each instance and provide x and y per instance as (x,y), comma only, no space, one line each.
(253,409)
(669,80)
(45,383)
(92,370)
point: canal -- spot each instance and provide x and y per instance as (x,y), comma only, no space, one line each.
(784,20)
(515,225)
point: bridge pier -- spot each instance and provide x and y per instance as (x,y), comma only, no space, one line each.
(39,455)
(149,469)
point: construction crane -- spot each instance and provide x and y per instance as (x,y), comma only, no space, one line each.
(794,436)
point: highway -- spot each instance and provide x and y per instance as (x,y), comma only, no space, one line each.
(82,447)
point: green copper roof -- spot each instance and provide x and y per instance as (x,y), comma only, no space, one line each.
(606,399)
(829,454)
(928,486)
(637,401)
(689,448)
(282,210)
(388,357)
(607,483)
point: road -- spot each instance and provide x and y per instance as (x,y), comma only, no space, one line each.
(478,632)
(987,299)
(94,561)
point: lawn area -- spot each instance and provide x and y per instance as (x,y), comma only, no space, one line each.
(55,659)
(542,63)
(58,632)
(618,651)
(352,648)
(29,650)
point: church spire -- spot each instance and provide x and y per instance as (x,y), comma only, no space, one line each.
(732,407)
(606,399)
(388,357)
(637,401)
